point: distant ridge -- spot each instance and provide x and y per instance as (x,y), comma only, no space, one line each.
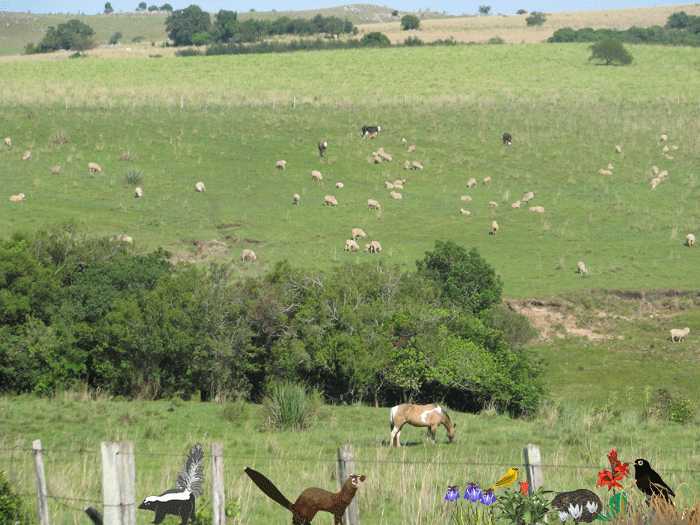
(356,13)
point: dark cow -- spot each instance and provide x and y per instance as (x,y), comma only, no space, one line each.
(322,145)
(507,139)
(366,130)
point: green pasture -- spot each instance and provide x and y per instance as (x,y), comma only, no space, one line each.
(405,485)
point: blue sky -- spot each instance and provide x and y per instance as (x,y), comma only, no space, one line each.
(454,7)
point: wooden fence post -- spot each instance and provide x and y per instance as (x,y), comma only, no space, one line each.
(118,485)
(346,467)
(40,483)
(218,496)
(533,467)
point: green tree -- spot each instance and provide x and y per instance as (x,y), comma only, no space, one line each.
(610,51)
(394,13)
(115,38)
(152,8)
(225,26)
(166,7)
(74,34)
(183,24)
(108,8)
(484,10)
(678,20)
(536,19)
(464,278)
(375,39)
(142,6)
(521,12)
(410,22)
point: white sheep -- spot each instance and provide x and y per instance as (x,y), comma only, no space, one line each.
(581,267)
(399,183)
(655,182)
(385,156)
(249,255)
(339,185)
(351,246)
(296,199)
(604,172)
(465,198)
(94,166)
(415,165)
(674,147)
(528,197)
(8,141)
(373,247)
(316,175)
(281,165)
(494,228)
(26,155)
(516,204)
(371,203)
(199,187)
(465,212)
(537,209)
(487,180)
(669,157)
(610,166)
(493,203)
(407,164)
(15,198)
(329,200)
(138,193)
(124,238)
(411,149)
(396,196)
(388,185)
(690,240)
(471,183)
(618,149)
(376,158)
(665,149)
(663,138)
(655,170)
(398,186)
(663,174)
(357,232)
(679,335)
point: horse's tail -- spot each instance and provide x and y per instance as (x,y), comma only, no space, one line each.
(391,418)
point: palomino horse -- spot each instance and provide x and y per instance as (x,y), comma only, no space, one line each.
(431,416)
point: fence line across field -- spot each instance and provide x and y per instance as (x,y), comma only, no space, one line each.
(119,473)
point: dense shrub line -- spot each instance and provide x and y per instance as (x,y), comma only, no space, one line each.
(76,309)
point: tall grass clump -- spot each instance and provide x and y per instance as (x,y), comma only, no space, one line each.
(59,136)
(289,406)
(133,176)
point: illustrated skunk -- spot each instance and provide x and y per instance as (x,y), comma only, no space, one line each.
(180,501)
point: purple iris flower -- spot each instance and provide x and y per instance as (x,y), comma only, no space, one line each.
(473,492)
(452,493)
(487,497)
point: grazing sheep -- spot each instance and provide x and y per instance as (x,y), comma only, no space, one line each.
(339,185)
(663,174)
(199,187)
(487,180)
(396,196)
(281,165)
(398,186)
(669,157)
(93,166)
(618,149)
(399,182)
(351,246)
(465,198)
(690,240)
(465,212)
(386,157)
(367,247)
(415,165)
(388,185)
(674,147)
(516,204)
(374,247)
(663,138)
(605,172)
(26,155)
(15,198)
(407,164)
(528,197)
(665,149)
(8,141)
(322,145)
(507,140)
(357,232)
(249,255)
(471,183)
(679,335)
(296,199)
(329,200)
(655,182)
(581,267)
(655,170)
(376,158)
(494,228)
(537,209)
(610,166)
(138,193)
(493,203)
(371,203)
(316,175)
(124,238)
(411,149)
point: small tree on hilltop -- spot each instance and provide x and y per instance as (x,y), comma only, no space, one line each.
(611,51)
(521,12)
(141,7)
(484,9)
(108,8)
(410,22)
(536,19)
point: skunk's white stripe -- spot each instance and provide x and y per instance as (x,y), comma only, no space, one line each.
(169,496)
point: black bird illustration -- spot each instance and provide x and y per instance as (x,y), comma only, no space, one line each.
(649,481)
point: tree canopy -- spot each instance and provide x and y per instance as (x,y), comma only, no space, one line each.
(610,51)
(183,24)
(410,22)
(72,35)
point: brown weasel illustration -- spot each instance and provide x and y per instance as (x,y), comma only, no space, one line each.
(312,499)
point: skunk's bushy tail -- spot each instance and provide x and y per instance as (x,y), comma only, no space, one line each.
(192,475)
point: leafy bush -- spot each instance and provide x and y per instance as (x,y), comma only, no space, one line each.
(73,34)
(536,19)
(188,52)
(412,41)
(11,510)
(115,38)
(672,408)
(610,51)
(496,40)
(375,39)
(410,22)
(521,12)
(289,406)
(137,39)
(517,329)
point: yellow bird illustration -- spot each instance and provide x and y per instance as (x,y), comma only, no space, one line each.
(507,479)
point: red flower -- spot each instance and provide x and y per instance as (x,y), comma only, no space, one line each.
(612,458)
(523,487)
(619,470)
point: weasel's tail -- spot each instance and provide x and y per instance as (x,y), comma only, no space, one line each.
(268,488)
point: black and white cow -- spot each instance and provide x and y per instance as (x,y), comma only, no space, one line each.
(366,130)
(322,145)
(507,139)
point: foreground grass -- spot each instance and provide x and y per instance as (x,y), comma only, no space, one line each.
(406,485)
